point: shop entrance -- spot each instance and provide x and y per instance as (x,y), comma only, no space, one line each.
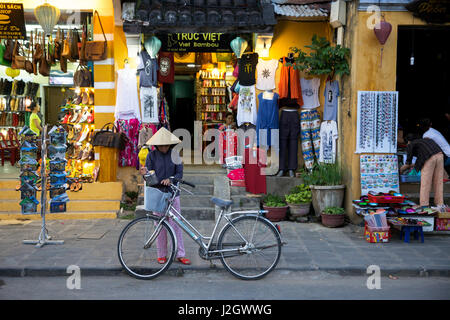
(422,81)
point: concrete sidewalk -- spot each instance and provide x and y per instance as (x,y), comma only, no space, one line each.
(92,245)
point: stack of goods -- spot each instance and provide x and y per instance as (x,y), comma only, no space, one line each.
(15,96)
(29,177)
(56,152)
(78,116)
(237,177)
(376,227)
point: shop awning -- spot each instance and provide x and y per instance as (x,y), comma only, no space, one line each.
(312,9)
(200,16)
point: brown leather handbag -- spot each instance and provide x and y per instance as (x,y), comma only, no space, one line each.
(44,66)
(57,46)
(82,77)
(37,54)
(96,50)
(62,59)
(9,49)
(18,61)
(66,46)
(28,63)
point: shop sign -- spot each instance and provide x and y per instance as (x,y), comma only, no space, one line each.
(431,11)
(196,42)
(12,21)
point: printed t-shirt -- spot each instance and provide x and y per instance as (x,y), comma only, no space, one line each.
(246,105)
(328,136)
(148,70)
(266,74)
(166,73)
(331,101)
(310,92)
(247,69)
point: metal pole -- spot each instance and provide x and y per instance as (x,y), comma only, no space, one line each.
(44,238)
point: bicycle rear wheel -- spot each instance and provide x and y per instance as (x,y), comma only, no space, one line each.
(139,262)
(254,246)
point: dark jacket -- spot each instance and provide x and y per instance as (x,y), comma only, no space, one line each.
(164,167)
(422,149)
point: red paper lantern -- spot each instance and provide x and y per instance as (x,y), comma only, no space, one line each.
(382,31)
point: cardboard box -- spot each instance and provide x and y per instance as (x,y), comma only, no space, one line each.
(237,183)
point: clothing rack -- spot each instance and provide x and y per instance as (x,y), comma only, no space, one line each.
(44,237)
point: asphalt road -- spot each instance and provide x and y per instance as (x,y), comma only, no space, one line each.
(282,285)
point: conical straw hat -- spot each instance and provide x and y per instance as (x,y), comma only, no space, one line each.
(163,137)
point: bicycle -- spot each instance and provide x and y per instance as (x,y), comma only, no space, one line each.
(248,245)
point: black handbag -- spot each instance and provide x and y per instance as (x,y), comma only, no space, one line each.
(110,137)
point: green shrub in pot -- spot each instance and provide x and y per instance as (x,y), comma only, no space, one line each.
(333,217)
(299,201)
(276,207)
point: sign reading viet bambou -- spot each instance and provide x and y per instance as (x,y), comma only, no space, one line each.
(12,21)
(196,42)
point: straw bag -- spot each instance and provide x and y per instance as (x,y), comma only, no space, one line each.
(96,50)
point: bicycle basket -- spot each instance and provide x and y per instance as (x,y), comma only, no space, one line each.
(155,200)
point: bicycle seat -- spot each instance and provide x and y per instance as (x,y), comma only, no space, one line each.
(221,202)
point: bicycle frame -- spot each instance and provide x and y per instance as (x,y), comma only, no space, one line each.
(203,241)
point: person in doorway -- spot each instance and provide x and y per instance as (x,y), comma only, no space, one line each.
(228,138)
(35,121)
(430,162)
(161,161)
(431,133)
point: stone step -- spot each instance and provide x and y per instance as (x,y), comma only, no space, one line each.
(188,201)
(243,202)
(415,197)
(60,216)
(199,179)
(237,190)
(71,206)
(193,213)
(415,187)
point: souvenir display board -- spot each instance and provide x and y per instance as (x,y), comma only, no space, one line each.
(377,122)
(379,173)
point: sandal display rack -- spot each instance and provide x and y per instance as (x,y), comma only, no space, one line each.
(78,119)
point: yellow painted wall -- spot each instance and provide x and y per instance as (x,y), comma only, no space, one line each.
(367,73)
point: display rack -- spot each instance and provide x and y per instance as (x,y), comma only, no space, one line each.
(212,93)
(44,237)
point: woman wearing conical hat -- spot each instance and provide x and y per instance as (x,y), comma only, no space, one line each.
(160,160)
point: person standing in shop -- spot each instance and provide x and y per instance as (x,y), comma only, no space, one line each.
(430,162)
(431,133)
(35,121)
(161,161)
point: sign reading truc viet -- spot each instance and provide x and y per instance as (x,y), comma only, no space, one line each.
(196,42)
(12,21)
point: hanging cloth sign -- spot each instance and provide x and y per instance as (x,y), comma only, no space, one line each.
(12,21)
(196,42)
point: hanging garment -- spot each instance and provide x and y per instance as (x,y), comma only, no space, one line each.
(227,143)
(310,93)
(331,94)
(127,103)
(266,70)
(310,136)
(328,136)
(148,68)
(146,132)
(247,69)
(247,105)
(267,117)
(129,156)
(289,131)
(166,72)
(254,163)
(289,86)
(149,105)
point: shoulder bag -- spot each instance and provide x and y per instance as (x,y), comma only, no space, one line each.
(18,61)
(82,77)
(110,138)
(9,49)
(44,66)
(62,59)
(74,40)
(66,46)
(96,50)
(28,63)
(3,61)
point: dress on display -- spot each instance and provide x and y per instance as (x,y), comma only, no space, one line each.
(127,103)
(267,117)
(254,163)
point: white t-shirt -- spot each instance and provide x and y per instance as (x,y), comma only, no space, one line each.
(328,136)
(310,92)
(246,111)
(149,105)
(266,74)
(437,137)
(127,102)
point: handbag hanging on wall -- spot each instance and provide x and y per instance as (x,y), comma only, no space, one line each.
(82,77)
(28,63)
(44,66)
(74,41)
(62,59)
(96,50)
(18,61)
(3,61)
(9,49)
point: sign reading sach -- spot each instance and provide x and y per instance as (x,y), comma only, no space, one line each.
(12,21)
(196,42)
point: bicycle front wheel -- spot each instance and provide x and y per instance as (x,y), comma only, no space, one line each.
(141,262)
(252,247)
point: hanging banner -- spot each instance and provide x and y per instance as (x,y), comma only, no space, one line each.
(430,11)
(12,21)
(196,42)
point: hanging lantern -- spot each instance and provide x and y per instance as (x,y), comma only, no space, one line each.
(47,16)
(12,72)
(152,46)
(238,45)
(382,31)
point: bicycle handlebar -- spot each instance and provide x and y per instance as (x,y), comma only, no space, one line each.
(184,182)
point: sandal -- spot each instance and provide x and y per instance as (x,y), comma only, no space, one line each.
(184,261)
(162,260)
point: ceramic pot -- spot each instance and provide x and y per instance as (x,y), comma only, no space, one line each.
(333,220)
(326,196)
(299,210)
(276,213)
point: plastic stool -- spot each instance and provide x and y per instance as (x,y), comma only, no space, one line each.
(406,230)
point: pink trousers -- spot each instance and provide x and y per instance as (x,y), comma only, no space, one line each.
(161,241)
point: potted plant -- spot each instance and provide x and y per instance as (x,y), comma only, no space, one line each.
(333,217)
(327,190)
(276,207)
(299,201)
